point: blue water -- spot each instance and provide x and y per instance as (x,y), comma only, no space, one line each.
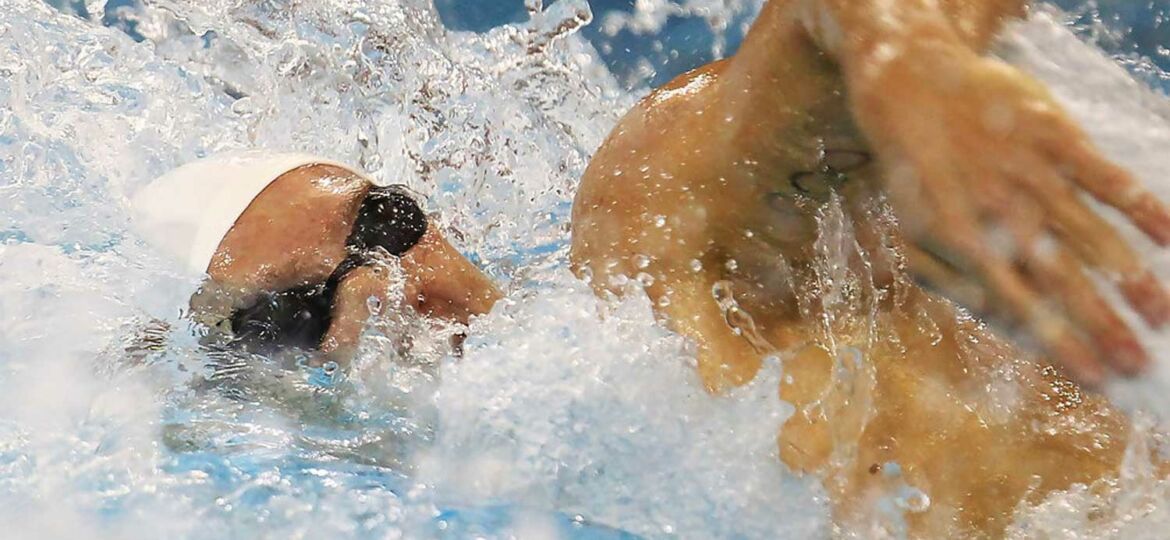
(568,417)
(1137,31)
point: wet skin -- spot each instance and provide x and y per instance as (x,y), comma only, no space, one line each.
(710,191)
(294,233)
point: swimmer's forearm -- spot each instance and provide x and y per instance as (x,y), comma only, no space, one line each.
(861,34)
(797,50)
(773,82)
(854,31)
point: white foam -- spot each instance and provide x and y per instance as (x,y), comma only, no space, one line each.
(563,401)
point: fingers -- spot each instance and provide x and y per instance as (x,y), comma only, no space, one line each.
(957,259)
(1096,242)
(1038,286)
(1111,184)
(1148,297)
(985,174)
(1080,227)
(931,269)
(1023,306)
(1057,274)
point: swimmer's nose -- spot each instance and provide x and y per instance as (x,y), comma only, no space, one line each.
(444,283)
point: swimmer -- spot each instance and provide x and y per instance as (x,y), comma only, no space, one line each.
(293,247)
(711,190)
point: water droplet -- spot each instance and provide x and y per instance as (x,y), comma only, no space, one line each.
(659,221)
(913,500)
(641,261)
(645,279)
(696,265)
(740,321)
(732,265)
(721,291)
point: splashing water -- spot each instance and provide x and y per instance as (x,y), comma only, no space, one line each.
(564,411)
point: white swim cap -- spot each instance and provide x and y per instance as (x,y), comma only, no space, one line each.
(187,212)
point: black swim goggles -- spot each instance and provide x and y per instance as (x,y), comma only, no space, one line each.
(389,218)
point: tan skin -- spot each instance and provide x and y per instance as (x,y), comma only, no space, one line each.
(694,188)
(294,232)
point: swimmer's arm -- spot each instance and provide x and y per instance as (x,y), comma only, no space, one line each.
(791,61)
(986,174)
(726,359)
(851,29)
(351,311)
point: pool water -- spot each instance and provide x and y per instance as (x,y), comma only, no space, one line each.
(568,416)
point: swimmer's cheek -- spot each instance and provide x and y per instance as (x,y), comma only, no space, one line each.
(460,306)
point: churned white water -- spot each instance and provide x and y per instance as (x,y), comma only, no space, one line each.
(567,416)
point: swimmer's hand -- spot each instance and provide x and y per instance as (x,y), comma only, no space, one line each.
(986,174)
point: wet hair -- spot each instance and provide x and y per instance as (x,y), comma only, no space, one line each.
(389,218)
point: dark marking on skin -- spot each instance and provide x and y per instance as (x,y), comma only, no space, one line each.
(832,171)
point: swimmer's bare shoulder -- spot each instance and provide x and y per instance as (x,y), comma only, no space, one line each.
(797,84)
(699,163)
(701,193)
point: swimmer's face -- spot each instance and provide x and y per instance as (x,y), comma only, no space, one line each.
(440,281)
